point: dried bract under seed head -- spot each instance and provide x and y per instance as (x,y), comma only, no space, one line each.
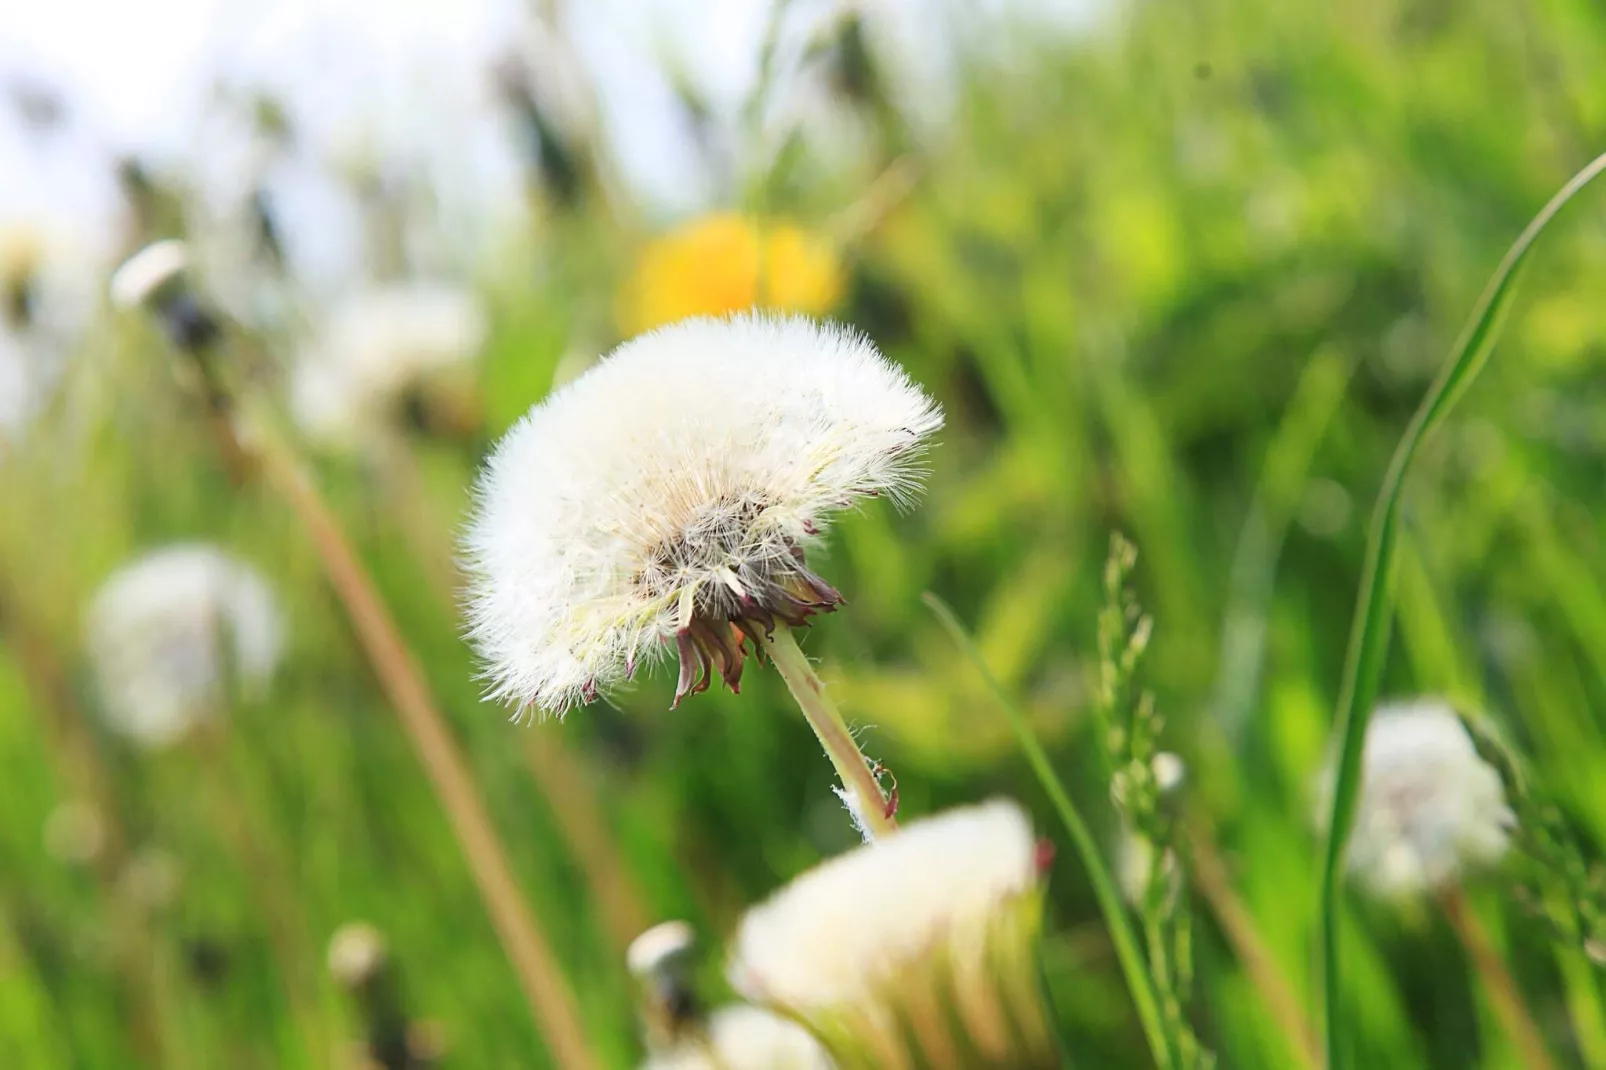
(916,950)
(1429,809)
(667,496)
(171,635)
(745,1038)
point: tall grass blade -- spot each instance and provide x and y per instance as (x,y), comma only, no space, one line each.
(1369,634)
(1104,889)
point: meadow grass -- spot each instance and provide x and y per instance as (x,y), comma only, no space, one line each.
(1186,277)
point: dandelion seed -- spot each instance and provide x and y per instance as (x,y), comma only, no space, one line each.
(173,633)
(1430,808)
(917,950)
(380,352)
(745,1038)
(666,498)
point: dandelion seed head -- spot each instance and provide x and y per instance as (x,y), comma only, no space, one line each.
(948,908)
(147,272)
(169,634)
(746,1038)
(665,498)
(659,944)
(375,350)
(356,954)
(1429,808)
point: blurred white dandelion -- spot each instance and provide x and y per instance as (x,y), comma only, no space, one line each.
(740,1037)
(934,927)
(1430,809)
(667,496)
(173,634)
(47,296)
(380,350)
(356,954)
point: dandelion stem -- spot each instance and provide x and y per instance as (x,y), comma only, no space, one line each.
(1210,878)
(562,776)
(224,779)
(826,720)
(1498,984)
(533,960)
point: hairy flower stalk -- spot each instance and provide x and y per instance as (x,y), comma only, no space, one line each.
(667,500)
(915,952)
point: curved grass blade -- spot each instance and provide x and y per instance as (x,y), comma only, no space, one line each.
(1369,634)
(1104,890)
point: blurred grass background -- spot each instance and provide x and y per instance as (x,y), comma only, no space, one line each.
(1184,275)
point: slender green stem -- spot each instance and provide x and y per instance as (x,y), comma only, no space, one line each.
(826,720)
(1104,890)
(1369,635)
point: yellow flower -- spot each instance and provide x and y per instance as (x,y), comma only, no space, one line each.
(726,263)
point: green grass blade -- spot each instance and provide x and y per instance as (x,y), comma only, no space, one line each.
(1369,635)
(1104,890)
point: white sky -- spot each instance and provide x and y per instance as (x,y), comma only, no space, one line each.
(404,79)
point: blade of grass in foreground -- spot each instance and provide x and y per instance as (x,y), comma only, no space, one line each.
(1369,634)
(1104,890)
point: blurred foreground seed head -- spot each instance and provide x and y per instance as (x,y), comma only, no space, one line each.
(175,635)
(667,497)
(728,263)
(918,950)
(739,1037)
(1430,808)
(382,352)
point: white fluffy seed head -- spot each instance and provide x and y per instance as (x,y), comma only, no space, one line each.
(740,1037)
(945,913)
(673,480)
(1429,809)
(169,636)
(145,273)
(374,350)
